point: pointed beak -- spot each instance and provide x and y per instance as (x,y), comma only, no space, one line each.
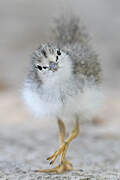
(53,66)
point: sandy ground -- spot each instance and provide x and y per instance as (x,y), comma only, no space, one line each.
(25,143)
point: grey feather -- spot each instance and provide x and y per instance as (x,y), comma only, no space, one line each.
(69,30)
(71,36)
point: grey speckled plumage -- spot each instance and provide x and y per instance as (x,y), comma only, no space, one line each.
(63,70)
(71,36)
(73,39)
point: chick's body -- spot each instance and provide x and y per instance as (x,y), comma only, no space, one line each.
(73,88)
(64,81)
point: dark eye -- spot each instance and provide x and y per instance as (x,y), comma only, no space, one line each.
(39,67)
(56,58)
(44,67)
(58,52)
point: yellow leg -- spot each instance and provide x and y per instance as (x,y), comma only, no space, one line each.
(64,165)
(62,131)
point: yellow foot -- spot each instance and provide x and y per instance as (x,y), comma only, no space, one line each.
(61,151)
(62,167)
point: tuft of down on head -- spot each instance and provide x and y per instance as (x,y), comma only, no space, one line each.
(69,30)
(70,35)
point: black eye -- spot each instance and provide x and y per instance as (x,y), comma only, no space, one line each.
(39,67)
(44,67)
(58,52)
(56,58)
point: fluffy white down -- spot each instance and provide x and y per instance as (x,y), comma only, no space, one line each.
(87,104)
(40,106)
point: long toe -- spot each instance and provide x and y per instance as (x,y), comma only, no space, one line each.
(61,168)
(61,151)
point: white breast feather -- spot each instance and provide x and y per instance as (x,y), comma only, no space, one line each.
(86,104)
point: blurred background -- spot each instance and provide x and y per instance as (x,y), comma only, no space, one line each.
(25,24)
